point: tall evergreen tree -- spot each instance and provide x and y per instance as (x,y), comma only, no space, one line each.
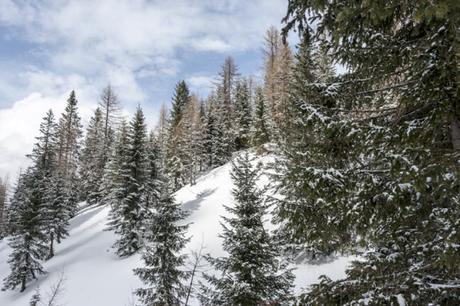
(93,158)
(116,173)
(175,163)
(68,149)
(128,214)
(57,211)
(211,132)
(252,274)
(69,132)
(390,178)
(243,114)
(49,183)
(29,210)
(179,103)
(260,130)
(163,273)
(305,235)
(225,106)
(28,240)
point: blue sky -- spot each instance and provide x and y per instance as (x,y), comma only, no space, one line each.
(141,47)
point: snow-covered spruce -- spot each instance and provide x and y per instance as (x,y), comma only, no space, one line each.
(252,274)
(163,272)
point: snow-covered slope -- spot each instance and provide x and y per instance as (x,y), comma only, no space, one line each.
(94,276)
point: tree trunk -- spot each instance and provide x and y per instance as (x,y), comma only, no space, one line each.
(51,250)
(23,284)
(455,133)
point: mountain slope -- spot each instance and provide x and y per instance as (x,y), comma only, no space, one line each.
(95,276)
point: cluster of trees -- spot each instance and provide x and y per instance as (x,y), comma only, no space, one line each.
(372,157)
(45,197)
(200,135)
(47,193)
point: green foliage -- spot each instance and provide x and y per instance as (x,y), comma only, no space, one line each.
(252,274)
(378,163)
(260,130)
(163,272)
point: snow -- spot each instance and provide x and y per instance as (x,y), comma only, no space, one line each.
(95,276)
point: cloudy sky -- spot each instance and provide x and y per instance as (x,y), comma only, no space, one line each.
(141,47)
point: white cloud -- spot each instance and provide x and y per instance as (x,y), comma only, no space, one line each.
(85,44)
(201,84)
(18,126)
(87,35)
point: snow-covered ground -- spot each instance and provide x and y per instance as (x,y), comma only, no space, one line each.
(95,276)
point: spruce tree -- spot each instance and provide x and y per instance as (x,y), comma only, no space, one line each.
(165,240)
(176,157)
(57,211)
(28,238)
(179,103)
(112,189)
(201,137)
(68,148)
(93,158)
(69,132)
(50,183)
(260,130)
(243,114)
(390,178)
(252,274)
(128,212)
(211,132)
(225,107)
(299,212)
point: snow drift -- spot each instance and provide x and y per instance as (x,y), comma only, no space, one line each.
(95,276)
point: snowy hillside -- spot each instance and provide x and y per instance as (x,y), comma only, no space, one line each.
(94,276)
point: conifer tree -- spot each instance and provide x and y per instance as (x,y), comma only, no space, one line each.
(299,213)
(260,131)
(201,137)
(282,80)
(49,184)
(225,100)
(3,196)
(112,189)
(243,114)
(175,152)
(324,67)
(28,239)
(161,134)
(191,142)
(394,119)
(271,50)
(109,108)
(211,132)
(93,158)
(128,214)
(56,212)
(252,274)
(69,132)
(68,149)
(179,103)
(163,273)
(277,76)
